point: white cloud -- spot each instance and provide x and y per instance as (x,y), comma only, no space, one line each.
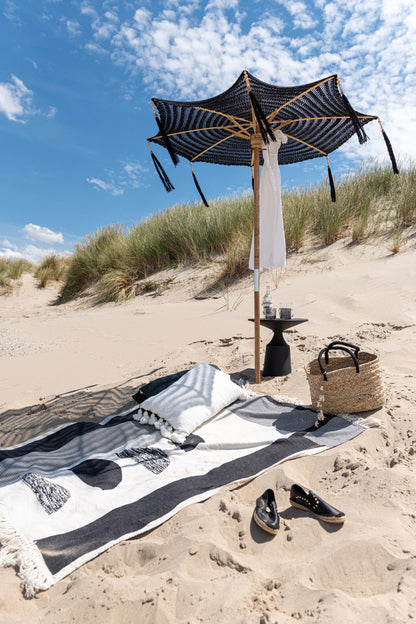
(10,11)
(15,99)
(73,27)
(7,243)
(87,9)
(42,234)
(105,186)
(105,31)
(112,17)
(29,252)
(8,253)
(134,172)
(51,112)
(186,55)
(298,10)
(95,48)
(142,17)
(129,175)
(103,27)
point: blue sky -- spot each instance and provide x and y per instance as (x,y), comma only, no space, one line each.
(77,76)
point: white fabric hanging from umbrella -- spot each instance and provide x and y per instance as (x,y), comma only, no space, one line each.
(272,235)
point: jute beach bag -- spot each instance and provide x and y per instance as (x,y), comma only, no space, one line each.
(350,383)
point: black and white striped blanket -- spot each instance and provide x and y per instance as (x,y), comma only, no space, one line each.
(70,494)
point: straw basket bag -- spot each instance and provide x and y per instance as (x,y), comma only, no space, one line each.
(350,383)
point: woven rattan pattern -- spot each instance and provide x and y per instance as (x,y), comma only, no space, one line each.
(346,391)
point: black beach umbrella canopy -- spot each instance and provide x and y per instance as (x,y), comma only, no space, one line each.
(231,128)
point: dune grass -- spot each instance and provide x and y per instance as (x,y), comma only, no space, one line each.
(11,270)
(371,202)
(52,268)
(114,258)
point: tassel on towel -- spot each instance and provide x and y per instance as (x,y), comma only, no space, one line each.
(50,495)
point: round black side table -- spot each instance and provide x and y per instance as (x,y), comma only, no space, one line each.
(277,359)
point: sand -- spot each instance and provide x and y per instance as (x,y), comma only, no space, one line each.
(210,563)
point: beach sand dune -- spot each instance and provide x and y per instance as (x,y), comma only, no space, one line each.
(210,563)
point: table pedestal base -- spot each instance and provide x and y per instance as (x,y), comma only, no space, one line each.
(277,358)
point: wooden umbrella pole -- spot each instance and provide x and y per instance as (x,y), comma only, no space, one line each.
(256,145)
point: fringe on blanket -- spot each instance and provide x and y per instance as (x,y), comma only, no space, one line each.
(366,422)
(282,398)
(17,551)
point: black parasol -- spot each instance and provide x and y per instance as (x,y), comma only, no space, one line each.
(231,128)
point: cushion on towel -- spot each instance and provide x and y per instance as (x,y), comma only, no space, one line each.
(156,386)
(188,402)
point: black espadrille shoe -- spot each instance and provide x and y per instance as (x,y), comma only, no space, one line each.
(265,514)
(309,501)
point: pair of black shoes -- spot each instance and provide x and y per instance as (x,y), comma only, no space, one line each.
(266,515)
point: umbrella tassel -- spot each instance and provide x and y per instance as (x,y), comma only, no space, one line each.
(390,151)
(167,142)
(162,174)
(331,184)
(362,137)
(265,128)
(199,188)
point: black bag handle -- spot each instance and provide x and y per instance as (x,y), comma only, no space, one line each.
(341,348)
(333,345)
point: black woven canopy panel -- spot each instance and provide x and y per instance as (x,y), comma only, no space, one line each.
(316,118)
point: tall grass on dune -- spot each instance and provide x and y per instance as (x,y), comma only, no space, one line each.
(192,232)
(52,268)
(298,207)
(371,202)
(11,270)
(403,197)
(93,258)
(366,197)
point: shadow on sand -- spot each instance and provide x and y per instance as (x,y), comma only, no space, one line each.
(92,403)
